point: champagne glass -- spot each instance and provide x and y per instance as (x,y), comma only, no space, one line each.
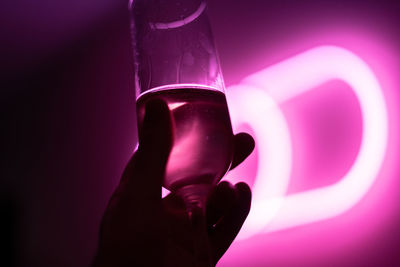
(175,59)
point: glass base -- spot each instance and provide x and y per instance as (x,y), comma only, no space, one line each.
(194,195)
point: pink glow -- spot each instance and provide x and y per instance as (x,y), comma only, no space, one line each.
(317,237)
(307,71)
(341,235)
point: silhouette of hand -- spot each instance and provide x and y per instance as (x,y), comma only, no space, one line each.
(139,228)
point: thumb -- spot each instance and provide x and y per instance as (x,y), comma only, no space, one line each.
(145,172)
(155,135)
(136,204)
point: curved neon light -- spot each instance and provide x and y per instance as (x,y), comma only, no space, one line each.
(256,107)
(281,82)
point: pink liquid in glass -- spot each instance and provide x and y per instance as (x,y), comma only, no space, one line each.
(202,132)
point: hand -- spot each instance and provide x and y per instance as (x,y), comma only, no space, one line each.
(139,228)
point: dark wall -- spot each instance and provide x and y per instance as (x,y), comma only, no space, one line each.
(68,130)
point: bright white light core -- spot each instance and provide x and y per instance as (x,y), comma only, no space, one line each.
(255,101)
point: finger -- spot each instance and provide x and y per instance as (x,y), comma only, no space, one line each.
(175,206)
(243,146)
(175,202)
(219,202)
(144,173)
(228,227)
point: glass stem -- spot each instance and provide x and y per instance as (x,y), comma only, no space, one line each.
(195,198)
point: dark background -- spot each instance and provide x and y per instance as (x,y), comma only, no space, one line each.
(68,119)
